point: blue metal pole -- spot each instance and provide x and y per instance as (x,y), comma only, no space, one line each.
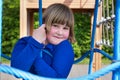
(116,49)
(93,35)
(0,29)
(40,12)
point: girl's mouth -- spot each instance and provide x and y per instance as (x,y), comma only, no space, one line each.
(58,37)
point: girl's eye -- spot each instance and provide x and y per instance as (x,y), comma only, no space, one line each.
(54,25)
(66,28)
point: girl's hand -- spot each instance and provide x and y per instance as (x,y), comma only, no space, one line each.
(39,34)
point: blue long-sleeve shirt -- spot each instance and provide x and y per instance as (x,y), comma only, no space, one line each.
(26,56)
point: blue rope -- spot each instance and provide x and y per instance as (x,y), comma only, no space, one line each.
(82,57)
(40,12)
(103,53)
(20,74)
(116,49)
(77,60)
(94,50)
(28,76)
(93,35)
(103,71)
(47,52)
(6,57)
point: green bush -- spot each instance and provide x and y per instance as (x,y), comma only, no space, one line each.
(82,33)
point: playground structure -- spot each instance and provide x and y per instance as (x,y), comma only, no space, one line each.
(95,30)
(29,7)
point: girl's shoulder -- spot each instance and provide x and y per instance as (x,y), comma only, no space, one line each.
(65,43)
(26,38)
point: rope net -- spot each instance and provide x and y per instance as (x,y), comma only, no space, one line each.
(107,22)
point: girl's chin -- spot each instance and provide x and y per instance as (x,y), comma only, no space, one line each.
(55,42)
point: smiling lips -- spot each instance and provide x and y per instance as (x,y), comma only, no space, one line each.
(58,37)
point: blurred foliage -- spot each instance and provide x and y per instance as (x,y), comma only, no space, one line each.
(82,33)
(10,25)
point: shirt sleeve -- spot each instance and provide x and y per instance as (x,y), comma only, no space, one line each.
(25,52)
(62,62)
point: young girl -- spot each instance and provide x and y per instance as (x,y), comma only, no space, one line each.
(48,52)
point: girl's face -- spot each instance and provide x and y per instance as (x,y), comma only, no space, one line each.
(58,33)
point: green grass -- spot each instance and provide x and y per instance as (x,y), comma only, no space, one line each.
(5,61)
(104,61)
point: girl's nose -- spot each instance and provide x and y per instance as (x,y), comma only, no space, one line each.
(60,32)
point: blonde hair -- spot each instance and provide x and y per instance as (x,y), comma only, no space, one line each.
(61,14)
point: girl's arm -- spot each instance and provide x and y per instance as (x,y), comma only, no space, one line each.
(25,52)
(62,62)
(27,48)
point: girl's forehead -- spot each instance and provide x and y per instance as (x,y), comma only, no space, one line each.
(59,24)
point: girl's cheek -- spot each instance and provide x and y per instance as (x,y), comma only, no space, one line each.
(52,30)
(66,35)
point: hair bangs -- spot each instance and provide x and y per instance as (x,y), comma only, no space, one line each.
(63,17)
